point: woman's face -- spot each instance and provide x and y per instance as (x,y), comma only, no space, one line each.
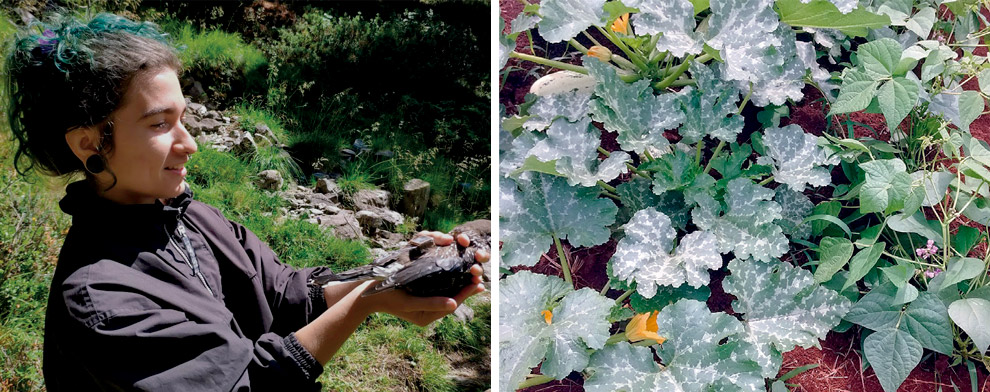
(151,146)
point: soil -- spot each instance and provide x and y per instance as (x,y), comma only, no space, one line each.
(839,360)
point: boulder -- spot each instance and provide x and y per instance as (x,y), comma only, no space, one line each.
(214,115)
(245,144)
(345,225)
(197,126)
(415,196)
(370,221)
(262,129)
(270,180)
(329,187)
(370,199)
(464,313)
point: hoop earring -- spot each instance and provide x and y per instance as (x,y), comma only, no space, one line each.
(95,164)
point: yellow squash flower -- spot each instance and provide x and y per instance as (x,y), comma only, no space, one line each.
(600,52)
(621,24)
(548,316)
(643,326)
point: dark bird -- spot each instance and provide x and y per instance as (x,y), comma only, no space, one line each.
(422,268)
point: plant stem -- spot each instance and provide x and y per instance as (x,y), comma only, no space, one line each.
(593,40)
(578,46)
(623,62)
(604,152)
(697,153)
(605,289)
(624,296)
(745,100)
(552,63)
(766,181)
(535,379)
(718,149)
(667,81)
(633,56)
(619,337)
(607,186)
(649,156)
(704,58)
(563,260)
(611,196)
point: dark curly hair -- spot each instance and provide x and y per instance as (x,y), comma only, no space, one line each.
(65,73)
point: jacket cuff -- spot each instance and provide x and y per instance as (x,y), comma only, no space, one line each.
(318,303)
(311,369)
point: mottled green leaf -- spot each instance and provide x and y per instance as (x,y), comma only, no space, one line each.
(795,207)
(564,19)
(674,20)
(796,158)
(643,255)
(698,363)
(710,109)
(747,227)
(632,110)
(549,207)
(782,308)
(571,105)
(575,148)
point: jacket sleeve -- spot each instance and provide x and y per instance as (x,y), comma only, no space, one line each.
(293,302)
(133,339)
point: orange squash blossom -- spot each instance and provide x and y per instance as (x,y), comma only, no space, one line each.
(548,316)
(643,326)
(621,24)
(600,52)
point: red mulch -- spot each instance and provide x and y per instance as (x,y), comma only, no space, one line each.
(838,359)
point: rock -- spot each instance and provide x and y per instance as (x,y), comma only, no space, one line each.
(377,253)
(464,313)
(370,199)
(392,217)
(263,141)
(270,180)
(197,90)
(329,187)
(262,129)
(199,126)
(344,225)
(214,115)
(370,221)
(245,145)
(416,194)
(196,109)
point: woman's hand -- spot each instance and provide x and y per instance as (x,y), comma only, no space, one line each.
(422,310)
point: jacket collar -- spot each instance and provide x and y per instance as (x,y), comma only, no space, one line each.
(86,207)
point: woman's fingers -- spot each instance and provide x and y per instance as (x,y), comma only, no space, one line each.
(482,256)
(439,238)
(463,240)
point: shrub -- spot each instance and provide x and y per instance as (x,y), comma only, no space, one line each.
(222,62)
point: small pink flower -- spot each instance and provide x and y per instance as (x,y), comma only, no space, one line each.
(932,272)
(927,251)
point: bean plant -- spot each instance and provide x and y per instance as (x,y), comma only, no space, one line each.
(812,233)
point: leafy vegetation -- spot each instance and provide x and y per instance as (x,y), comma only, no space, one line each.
(816,233)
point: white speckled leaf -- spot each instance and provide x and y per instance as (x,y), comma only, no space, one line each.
(674,19)
(698,362)
(747,227)
(710,109)
(551,207)
(795,206)
(643,255)
(631,109)
(575,148)
(796,158)
(564,19)
(571,105)
(524,22)
(579,322)
(739,23)
(519,149)
(782,307)
(775,70)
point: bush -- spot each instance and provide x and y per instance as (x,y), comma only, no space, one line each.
(223,63)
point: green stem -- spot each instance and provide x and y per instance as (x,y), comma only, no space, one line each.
(704,58)
(633,56)
(649,156)
(593,40)
(578,46)
(718,149)
(552,63)
(623,62)
(624,296)
(563,260)
(535,379)
(683,82)
(745,100)
(766,181)
(636,171)
(607,186)
(604,152)
(697,153)
(611,196)
(667,81)
(619,337)
(605,289)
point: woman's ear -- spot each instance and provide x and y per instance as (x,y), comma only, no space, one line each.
(84,142)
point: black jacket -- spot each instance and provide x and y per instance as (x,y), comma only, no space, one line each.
(127,310)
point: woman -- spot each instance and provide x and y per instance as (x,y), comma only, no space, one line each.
(154,290)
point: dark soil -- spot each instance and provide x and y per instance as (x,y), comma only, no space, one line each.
(838,359)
